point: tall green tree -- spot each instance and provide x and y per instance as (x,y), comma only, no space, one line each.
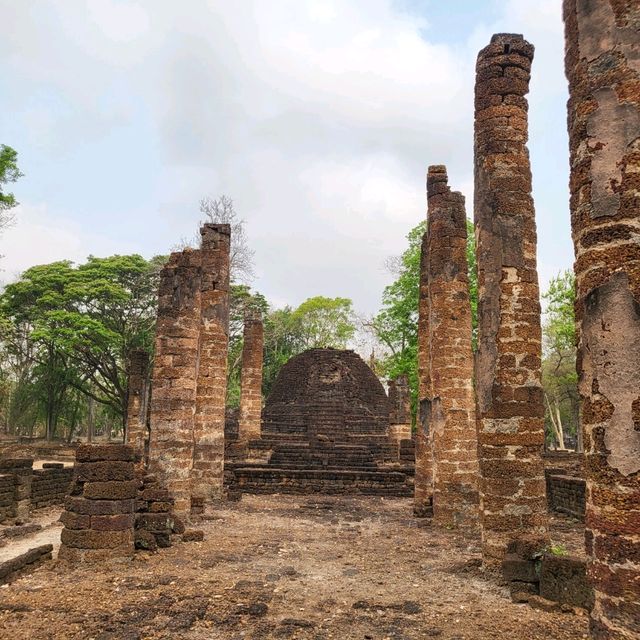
(325,322)
(77,326)
(559,377)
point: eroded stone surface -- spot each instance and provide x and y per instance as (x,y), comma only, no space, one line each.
(453,421)
(186,448)
(508,378)
(603,67)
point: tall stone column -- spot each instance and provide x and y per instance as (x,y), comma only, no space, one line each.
(422,505)
(510,412)
(400,414)
(452,399)
(250,416)
(174,376)
(211,390)
(136,430)
(603,68)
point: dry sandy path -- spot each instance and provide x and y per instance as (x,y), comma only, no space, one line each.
(286,567)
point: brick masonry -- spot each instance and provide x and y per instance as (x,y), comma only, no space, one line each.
(15,488)
(451,401)
(138,401)
(603,69)
(423,494)
(208,431)
(566,494)
(99,514)
(174,376)
(186,449)
(510,411)
(250,414)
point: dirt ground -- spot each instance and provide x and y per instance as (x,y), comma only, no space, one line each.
(287,567)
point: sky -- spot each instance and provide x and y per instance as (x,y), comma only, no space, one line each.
(318,117)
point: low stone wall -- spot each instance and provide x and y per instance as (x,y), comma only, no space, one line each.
(51,484)
(7,497)
(566,494)
(22,473)
(24,563)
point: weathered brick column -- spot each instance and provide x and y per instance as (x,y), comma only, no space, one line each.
(603,68)
(174,376)
(400,414)
(99,514)
(208,427)
(250,414)
(137,405)
(510,413)
(453,418)
(422,505)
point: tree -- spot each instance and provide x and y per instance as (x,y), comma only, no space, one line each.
(559,377)
(221,211)
(9,172)
(324,322)
(76,327)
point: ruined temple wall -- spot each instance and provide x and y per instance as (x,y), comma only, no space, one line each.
(510,413)
(174,376)
(251,379)
(424,461)
(137,405)
(211,384)
(603,68)
(452,402)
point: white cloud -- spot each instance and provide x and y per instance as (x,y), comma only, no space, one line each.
(40,237)
(318,117)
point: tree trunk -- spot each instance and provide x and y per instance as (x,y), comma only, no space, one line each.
(90,419)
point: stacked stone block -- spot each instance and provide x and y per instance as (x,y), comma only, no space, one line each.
(138,397)
(423,495)
(99,514)
(603,69)
(208,429)
(155,522)
(451,396)
(532,572)
(510,412)
(250,415)
(400,416)
(21,472)
(51,484)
